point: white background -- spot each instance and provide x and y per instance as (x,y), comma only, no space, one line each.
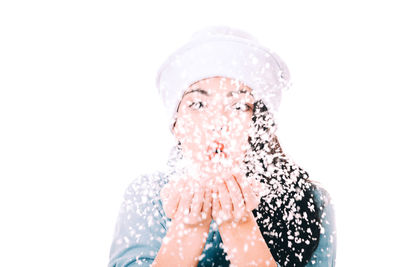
(80,117)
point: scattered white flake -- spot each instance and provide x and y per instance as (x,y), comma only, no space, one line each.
(150,221)
(201,256)
(300,256)
(166,240)
(207,246)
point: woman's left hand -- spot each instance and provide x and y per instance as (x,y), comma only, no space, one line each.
(234,198)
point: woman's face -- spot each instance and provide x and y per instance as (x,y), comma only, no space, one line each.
(213,121)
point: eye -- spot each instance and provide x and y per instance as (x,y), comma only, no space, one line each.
(242,106)
(196,105)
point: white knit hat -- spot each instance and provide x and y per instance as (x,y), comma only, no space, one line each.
(227,52)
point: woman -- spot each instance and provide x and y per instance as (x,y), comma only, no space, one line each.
(231,196)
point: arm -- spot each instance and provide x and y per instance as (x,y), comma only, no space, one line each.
(245,244)
(190,209)
(242,239)
(140,226)
(325,254)
(182,245)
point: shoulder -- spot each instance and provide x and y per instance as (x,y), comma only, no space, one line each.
(143,192)
(321,196)
(325,253)
(141,223)
(146,185)
(326,209)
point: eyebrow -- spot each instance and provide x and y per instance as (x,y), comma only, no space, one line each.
(239,92)
(204,92)
(201,91)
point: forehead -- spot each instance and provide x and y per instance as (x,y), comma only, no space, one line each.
(219,85)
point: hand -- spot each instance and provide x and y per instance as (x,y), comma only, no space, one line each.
(188,202)
(234,198)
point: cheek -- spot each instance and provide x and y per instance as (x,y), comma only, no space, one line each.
(239,132)
(240,123)
(192,134)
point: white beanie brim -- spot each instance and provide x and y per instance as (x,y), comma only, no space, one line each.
(226,52)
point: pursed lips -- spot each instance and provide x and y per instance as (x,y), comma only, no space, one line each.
(216,148)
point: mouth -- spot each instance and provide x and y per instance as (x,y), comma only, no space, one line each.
(216,149)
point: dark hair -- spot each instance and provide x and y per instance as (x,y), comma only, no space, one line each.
(287,215)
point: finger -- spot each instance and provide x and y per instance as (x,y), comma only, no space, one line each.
(179,189)
(256,186)
(198,199)
(186,200)
(164,193)
(170,199)
(196,204)
(216,206)
(207,204)
(250,198)
(225,200)
(236,196)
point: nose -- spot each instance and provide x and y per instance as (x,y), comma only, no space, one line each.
(219,129)
(220,124)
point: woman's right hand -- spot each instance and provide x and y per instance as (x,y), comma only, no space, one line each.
(186,201)
(189,206)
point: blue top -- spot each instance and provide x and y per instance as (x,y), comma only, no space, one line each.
(142,224)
